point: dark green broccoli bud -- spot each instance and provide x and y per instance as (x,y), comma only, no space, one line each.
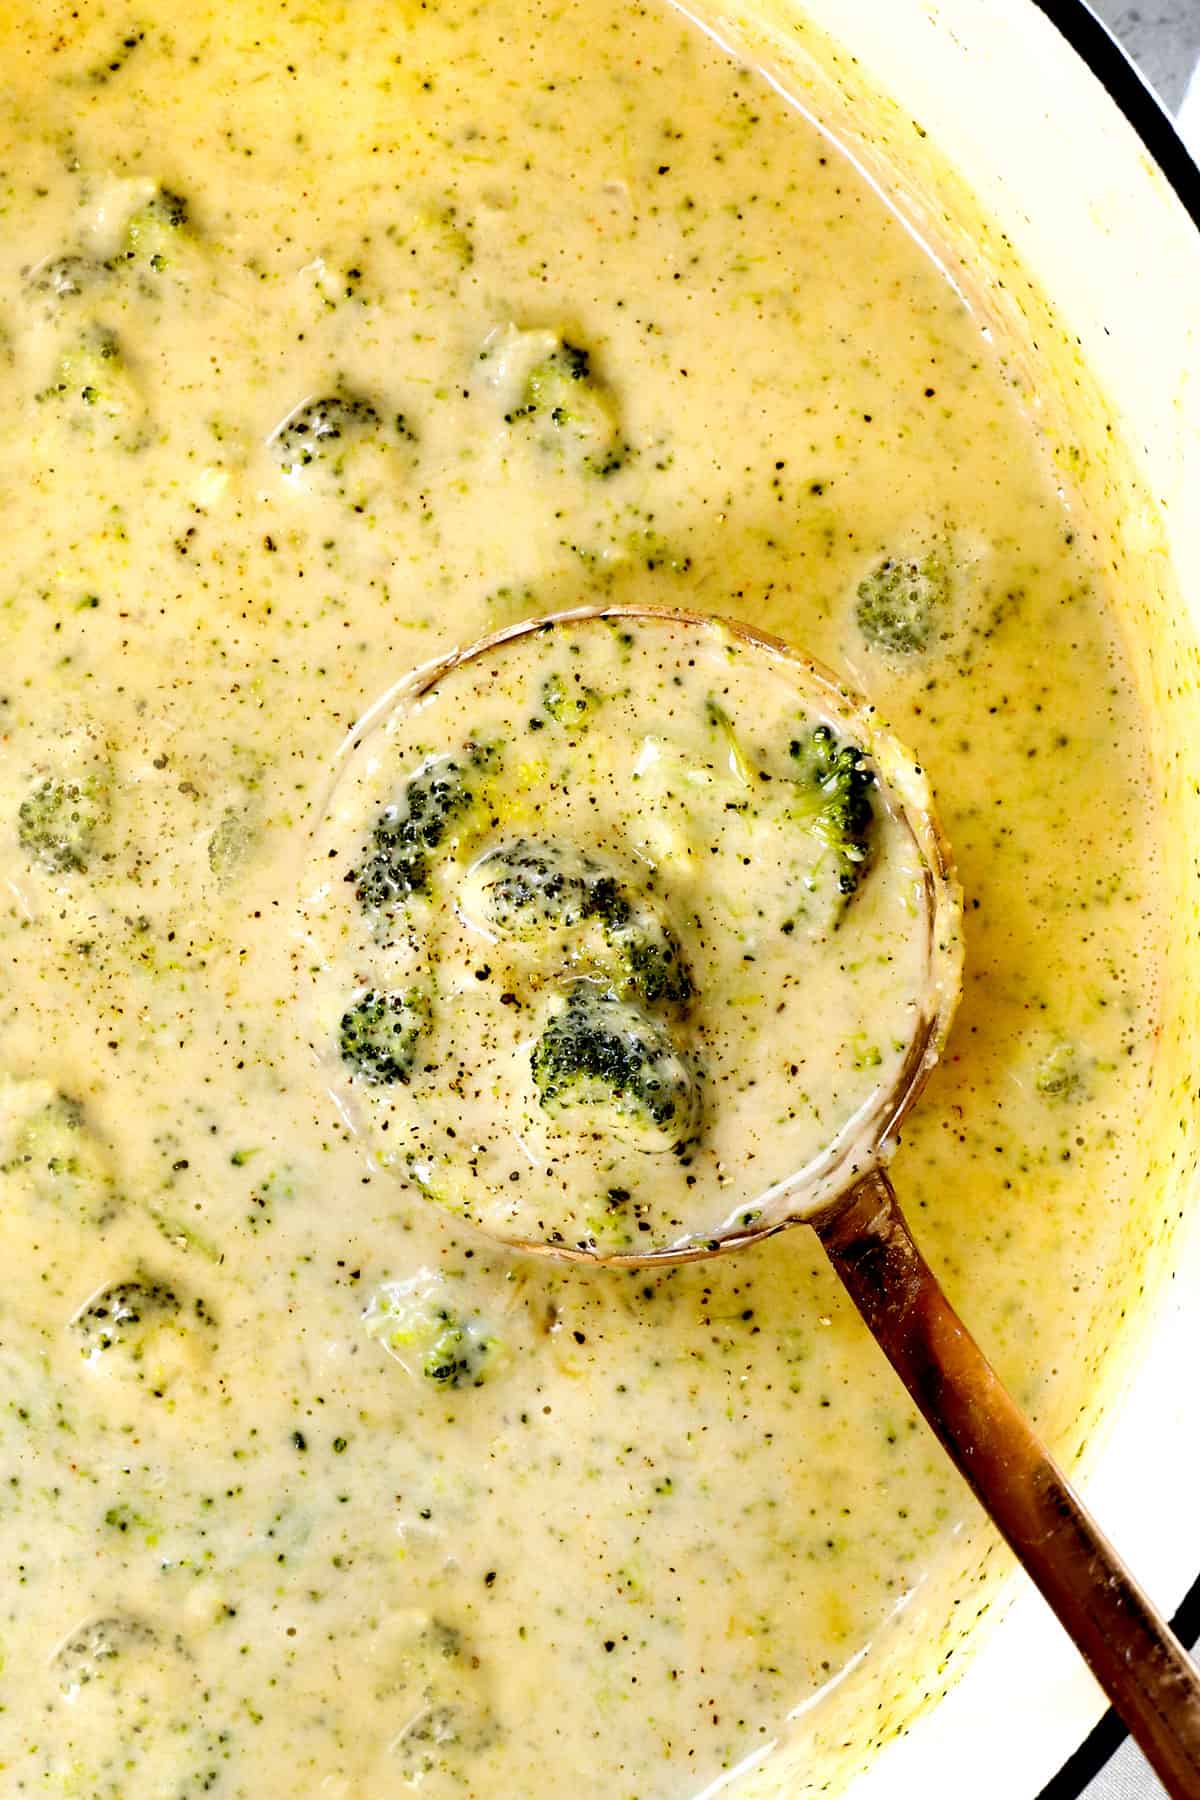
(66,1161)
(568,705)
(406,833)
(379,1034)
(602,1065)
(422,1325)
(834,799)
(95,390)
(457,1356)
(656,971)
(88,1654)
(154,232)
(527,888)
(59,821)
(903,604)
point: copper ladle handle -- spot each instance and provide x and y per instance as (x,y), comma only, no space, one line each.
(1131,1650)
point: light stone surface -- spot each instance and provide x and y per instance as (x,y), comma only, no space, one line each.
(1162,38)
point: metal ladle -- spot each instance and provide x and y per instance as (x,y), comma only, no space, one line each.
(851,1205)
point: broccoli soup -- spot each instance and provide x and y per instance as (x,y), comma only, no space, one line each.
(331,337)
(570,884)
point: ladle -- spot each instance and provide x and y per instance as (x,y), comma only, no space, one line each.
(850,1203)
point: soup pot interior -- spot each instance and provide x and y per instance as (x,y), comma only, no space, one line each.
(1005,153)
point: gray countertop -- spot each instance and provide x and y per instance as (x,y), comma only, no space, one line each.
(1162,36)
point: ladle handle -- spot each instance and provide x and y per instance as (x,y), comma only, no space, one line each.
(1133,1653)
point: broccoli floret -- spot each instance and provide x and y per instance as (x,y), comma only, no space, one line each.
(406,833)
(656,971)
(119,1314)
(436,238)
(141,1328)
(154,233)
(338,445)
(603,1065)
(527,888)
(551,386)
(834,798)
(96,391)
(59,278)
(568,706)
(61,818)
(66,1161)
(90,1650)
(319,429)
(902,604)
(420,1323)
(1062,1073)
(379,1034)
(567,402)
(436,1682)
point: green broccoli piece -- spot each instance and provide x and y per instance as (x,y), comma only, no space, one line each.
(457,1357)
(96,391)
(65,1160)
(436,1681)
(155,232)
(551,386)
(902,604)
(436,238)
(60,819)
(319,429)
(86,1655)
(406,833)
(338,445)
(418,1322)
(656,972)
(568,404)
(833,797)
(1062,1073)
(602,1065)
(568,706)
(120,1314)
(527,888)
(379,1034)
(59,278)
(141,1329)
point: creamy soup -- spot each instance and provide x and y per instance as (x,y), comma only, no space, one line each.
(331,337)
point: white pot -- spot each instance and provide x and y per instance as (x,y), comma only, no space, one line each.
(1002,146)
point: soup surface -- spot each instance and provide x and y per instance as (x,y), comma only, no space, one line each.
(331,337)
